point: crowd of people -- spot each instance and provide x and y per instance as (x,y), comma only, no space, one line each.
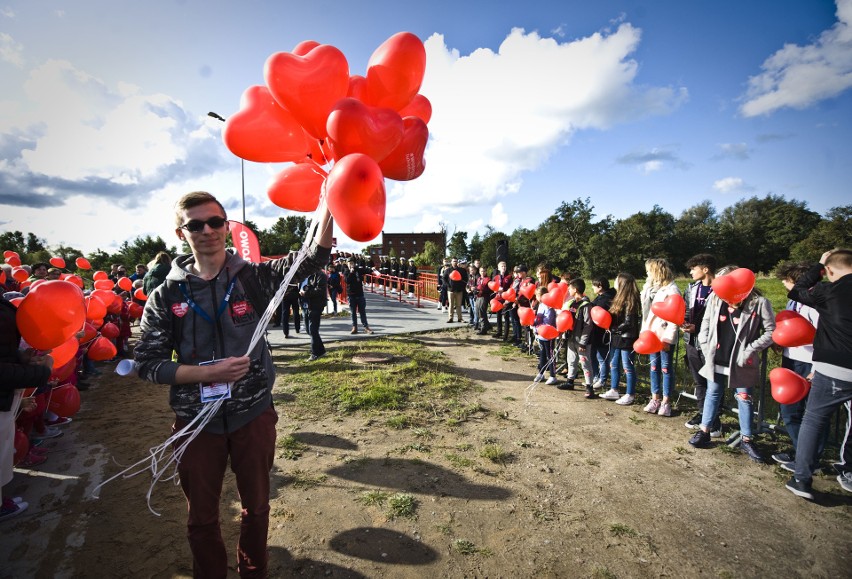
(32,381)
(205,307)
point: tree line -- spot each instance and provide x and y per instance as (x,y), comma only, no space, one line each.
(756,233)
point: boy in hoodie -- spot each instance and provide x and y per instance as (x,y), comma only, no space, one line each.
(206,313)
(581,309)
(832,362)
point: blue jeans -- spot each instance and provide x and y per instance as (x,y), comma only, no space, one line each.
(661,363)
(825,396)
(545,357)
(713,399)
(358,304)
(623,358)
(474,314)
(332,293)
(792,413)
(601,362)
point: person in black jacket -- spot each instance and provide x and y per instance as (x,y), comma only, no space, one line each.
(412,276)
(831,385)
(600,350)
(626,312)
(355,294)
(456,287)
(18,370)
(313,293)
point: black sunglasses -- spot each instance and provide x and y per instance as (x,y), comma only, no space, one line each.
(196,225)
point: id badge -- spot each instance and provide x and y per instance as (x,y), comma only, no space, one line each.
(212,391)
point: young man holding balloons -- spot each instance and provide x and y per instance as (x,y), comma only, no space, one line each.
(832,363)
(207,313)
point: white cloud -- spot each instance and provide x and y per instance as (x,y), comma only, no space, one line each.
(7,12)
(474,225)
(11,51)
(731,185)
(739,151)
(499,217)
(800,76)
(497,115)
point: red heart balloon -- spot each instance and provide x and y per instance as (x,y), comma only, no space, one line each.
(305,47)
(564,321)
(83,263)
(95,308)
(356,196)
(787,387)
(134,310)
(786,315)
(65,352)
(406,161)
(528,290)
(65,400)
(57,262)
(395,71)
(309,85)
(552,299)
(357,87)
(671,309)
(139,294)
(600,317)
(353,127)
(109,331)
(455,275)
(22,447)
(51,313)
(494,285)
(124,283)
(793,331)
(20,274)
(547,332)
(99,275)
(104,284)
(9,253)
(297,187)
(264,132)
(735,286)
(526,316)
(496,305)
(102,349)
(14,261)
(419,107)
(90,332)
(509,295)
(647,343)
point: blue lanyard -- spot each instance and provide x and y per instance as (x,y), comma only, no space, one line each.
(198,308)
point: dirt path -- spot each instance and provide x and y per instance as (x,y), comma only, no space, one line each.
(585,489)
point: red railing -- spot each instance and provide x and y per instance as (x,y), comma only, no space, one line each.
(425,287)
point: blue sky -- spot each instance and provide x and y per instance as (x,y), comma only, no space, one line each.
(103,107)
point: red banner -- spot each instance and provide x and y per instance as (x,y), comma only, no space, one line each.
(245,241)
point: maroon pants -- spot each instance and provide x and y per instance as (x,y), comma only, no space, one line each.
(202,470)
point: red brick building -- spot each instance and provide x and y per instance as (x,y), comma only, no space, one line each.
(406,244)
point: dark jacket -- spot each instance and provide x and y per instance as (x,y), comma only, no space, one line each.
(833,301)
(169,324)
(453,285)
(625,330)
(316,291)
(354,284)
(14,374)
(155,277)
(604,300)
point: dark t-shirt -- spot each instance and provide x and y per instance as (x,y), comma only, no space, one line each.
(728,322)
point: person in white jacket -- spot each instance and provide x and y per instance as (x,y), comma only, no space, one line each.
(659,285)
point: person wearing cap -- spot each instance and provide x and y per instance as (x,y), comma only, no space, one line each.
(403,274)
(412,276)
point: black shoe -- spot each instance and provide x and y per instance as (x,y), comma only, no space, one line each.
(567,385)
(800,489)
(694,422)
(783,457)
(751,451)
(590,392)
(700,439)
(82,386)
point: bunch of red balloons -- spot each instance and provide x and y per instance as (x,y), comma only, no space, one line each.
(312,112)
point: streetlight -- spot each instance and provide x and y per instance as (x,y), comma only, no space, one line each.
(242,165)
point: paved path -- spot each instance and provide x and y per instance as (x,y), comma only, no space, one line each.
(386,316)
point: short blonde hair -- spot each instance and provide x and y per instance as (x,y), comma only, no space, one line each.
(659,270)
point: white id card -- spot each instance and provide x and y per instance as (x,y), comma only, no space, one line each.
(211,391)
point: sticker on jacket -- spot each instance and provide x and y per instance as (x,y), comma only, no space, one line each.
(180,309)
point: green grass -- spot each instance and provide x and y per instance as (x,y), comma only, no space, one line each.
(419,386)
(372,498)
(496,454)
(291,448)
(402,505)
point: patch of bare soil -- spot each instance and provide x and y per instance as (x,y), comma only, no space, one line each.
(535,483)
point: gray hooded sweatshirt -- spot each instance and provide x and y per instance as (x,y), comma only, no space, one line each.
(171,324)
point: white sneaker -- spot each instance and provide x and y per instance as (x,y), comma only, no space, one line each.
(626,400)
(652,407)
(411,295)
(551,381)
(597,384)
(610,395)
(665,409)
(716,433)
(538,378)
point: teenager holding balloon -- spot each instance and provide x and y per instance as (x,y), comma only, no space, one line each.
(545,316)
(832,363)
(207,312)
(658,286)
(736,328)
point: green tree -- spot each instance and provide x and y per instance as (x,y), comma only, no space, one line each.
(640,236)
(285,235)
(833,231)
(566,238)
(488,254)
(695,231)
(475,247)
(140,250)
(457,247)
(35,244)
(13,241)
(759,233)
(430,256)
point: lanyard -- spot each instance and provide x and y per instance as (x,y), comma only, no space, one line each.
(198,308)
